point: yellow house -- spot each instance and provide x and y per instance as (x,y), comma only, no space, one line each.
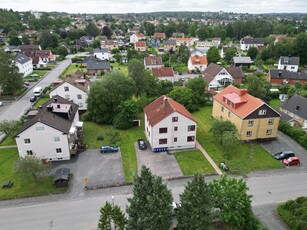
(253,118)
(140,46)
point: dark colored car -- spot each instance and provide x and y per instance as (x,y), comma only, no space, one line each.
(224,167)
(32,99)
(108,149)
(291,161)
(283,155)
(7,184)
(142,144)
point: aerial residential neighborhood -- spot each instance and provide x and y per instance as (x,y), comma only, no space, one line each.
(161,120)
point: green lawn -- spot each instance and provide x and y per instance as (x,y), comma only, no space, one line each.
(72,69)
(120,67)
(243,157)
(126,143)
(21,187)
(8,141)
(192,162)
(275,103)
(41,101)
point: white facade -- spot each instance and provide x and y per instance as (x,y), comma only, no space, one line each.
(223,78)
(177,134)
(26,68)
(200,67)
(291,68)
(102,55)
(134,38)
(71,92)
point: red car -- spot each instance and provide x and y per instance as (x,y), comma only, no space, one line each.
(291,161)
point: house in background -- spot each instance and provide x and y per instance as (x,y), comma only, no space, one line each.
(152,61)
(159,36)
(102,53)
(216,42)
(164,73)
(183,41)
(89,59)
(242,61)
(140,46)
(224,49)
(169,125)
(196,52)
(289,63)
(170,45)
(248,42)
(109,44)
(296,108)
(217,76)
(98,67)
(137,37)
(24,64)
(197,63)
(281,77)
(52,133)
(253,118)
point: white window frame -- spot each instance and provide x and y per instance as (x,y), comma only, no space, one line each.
(40,129)
(249,133)
(262,112)
(56,139)
(250,123)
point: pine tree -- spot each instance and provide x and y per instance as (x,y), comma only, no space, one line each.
(111,216)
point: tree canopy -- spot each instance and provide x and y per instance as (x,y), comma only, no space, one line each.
(213,55)
(92,30)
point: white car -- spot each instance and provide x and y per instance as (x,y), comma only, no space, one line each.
(1,103)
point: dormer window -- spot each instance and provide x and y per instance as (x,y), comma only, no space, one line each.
(262,112)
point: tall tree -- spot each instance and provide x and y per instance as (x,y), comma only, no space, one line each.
(48,40)
(184,96)
(229,54)
(196,210)
(127,111)
(213,55)
(198,85)
(252,52)
(151,204)
(106,31)
(137,72)
(92,30)
(9,128)
(15,41)
(150,29)
(226,132)
(184,54)
(10,78)
(257,87)
(102,108)
(111,216)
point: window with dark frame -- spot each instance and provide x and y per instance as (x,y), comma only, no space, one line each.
(191,128)
(163,141)
(66,88)
(163,130)
(190,138)
(175,139)
(176,128)
(58,150)
(175,119)
(27,141)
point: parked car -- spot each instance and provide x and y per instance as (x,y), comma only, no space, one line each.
(224,166)
(142,144)
(7,184)
(291,161)
(175,208)
(108,149)
(1,103)
(32,99)
(283,155)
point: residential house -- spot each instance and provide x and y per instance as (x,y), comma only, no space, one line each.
(137,37)
(45,55)
(109,44)
(164,73)
(217,76)
(224,49)
(170,45)
(289,63)
(183,41)
(197,63)
(89,59)
(248,42)
(24,64)
(216,42)
(159,36)
(169,125)
(242,61)
(203,46)
(152,61)
(280,38)
(296,108)
(140,46)
(196,52)
(74,88)
(98,67)
(3,35)
(85,41)
(102,53)
(53,131)
(253,118)
(12,49)
(29,47)
(280,77)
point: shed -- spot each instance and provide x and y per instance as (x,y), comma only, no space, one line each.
(61,178)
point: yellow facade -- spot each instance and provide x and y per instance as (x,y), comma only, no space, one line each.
(260,128)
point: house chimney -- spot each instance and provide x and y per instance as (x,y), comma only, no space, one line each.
(243,92)
(165,99)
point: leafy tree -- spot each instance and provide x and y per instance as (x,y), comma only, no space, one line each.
(196,210)
(48,40)
(193,29)
(300,46)
(184,96)
(127,111)
(252,52)
(137,72)
(257,87)
(31,167)
(75,34)
(203,33)
(151,204)
(213,55)
(225,131)
(25,40)
(10,78)
(106,31)
(62,51)
(92,30)
(229,54)
(233,203)
(15,41)
(150,29)
(9,128)
(184,54)
(102,108)
(111,214)
(198,85)
(170,29)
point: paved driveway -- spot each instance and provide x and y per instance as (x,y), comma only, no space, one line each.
(160,164)
(100,169)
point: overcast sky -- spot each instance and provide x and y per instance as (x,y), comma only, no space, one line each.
(137,6)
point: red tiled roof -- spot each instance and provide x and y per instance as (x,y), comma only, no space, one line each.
(153,60)
(213,69)
(181,39)
(159,35)
(164,106)
(199,60)
(245,103)
(163,72)
(140,44)
(140,35)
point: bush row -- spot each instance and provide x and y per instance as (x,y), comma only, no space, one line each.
(294,213)
(298,134)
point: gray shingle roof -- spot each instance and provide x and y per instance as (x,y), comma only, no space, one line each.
(285,74)
(297,105)
(22,59)
(253,41)
(169,42)
(284,60)
(246,60)
(102,65)
(101,50)
(51,118)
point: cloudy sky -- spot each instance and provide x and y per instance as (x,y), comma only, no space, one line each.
(137,6)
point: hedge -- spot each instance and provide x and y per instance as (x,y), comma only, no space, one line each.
(298,134)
